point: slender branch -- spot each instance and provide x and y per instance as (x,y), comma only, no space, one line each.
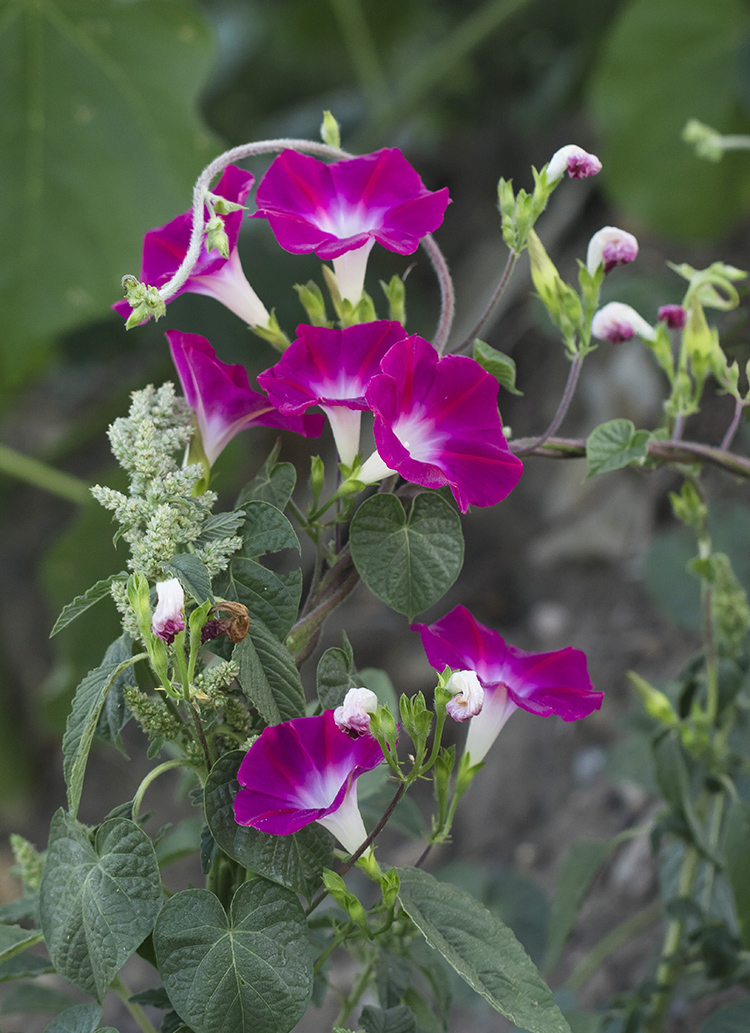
(625,931)
(135,1009)
(150,777)
(447,293)
(506,275)
(663,451)
(34,471)
(364,846)
(203,183)
(728,438)
(567,397)
(350,1001)
(201,736)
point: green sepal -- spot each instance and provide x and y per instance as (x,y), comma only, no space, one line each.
(330,133)
(345,899)
(312,300)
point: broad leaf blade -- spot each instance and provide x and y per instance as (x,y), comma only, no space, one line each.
(398,1019)
(81,1018)
(81,603)
(14,939)
(89,699)
(192,574)
(271,597)
(483,951)
(100,141)
(249,972)
(115,713)
(295,861)
(274,484)
(737,850)
(407,560)
(336,674)
(98,900)
(268,675)
(499,365)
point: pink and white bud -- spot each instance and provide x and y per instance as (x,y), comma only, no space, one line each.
(609,247)
(675,316)
(468,695)
(617,323)
(579,164)
(353,716)
(169,617)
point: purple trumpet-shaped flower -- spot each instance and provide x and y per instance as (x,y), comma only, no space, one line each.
(542,683)
(340,210)
(436,423)
(169,616)
(302,771)
(165,247)
(222,398)
(332,369)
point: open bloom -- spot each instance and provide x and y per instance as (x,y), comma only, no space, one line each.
(165,247)
(302,771)
(609,247)
(675,316)
(339,210)
(222,398)
(169,616)
(436,423)
(579,164)
(332,369)
(542,683)
(353,716)
(617,323)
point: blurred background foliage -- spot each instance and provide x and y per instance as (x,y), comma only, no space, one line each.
(112,107)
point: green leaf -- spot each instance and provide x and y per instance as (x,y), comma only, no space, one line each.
(583,861)
(34,998)
(274,484)
(193,575)
(648,170)
(81,603)
(271,597)
(82,721)
(294,861)
(732,1018)
(613,445)
(221,525)
(737,851)
(101,142)
(24,966)
(483,951)
(249,972)
(81,1018)
(180,842)
(336,674)
(408,561)
(115,713)
(399,1019)
(673,778)
(98,900)
(14,939)
(268,675)
(501,366)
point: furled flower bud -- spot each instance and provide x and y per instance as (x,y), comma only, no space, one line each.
(609,247)
(675,316)
(617,323)
(579,164)
(169,618)
(353,716)
(468,695)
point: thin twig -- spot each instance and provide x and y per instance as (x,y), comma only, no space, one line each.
(562,409)
(447,293)
(506,275)
(728,438)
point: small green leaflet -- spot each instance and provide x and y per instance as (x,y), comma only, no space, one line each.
(81,603)
(193,575)
(613,445)
(268,675)
(501,366)
(14,939)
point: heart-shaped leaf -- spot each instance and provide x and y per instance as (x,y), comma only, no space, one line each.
(248,972)
(407,560)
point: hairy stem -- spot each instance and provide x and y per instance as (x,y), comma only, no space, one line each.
(505,277)
(143,1021)
(447,293)
(34,471)
(567,398)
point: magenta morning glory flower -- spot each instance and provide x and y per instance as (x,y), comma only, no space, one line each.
(165,247)
(436,423)
(331,368)
(339,210)
(302,771)
(222,398)
(542,683)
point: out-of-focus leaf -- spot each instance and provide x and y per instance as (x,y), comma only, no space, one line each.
(100,141)
(667,61)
